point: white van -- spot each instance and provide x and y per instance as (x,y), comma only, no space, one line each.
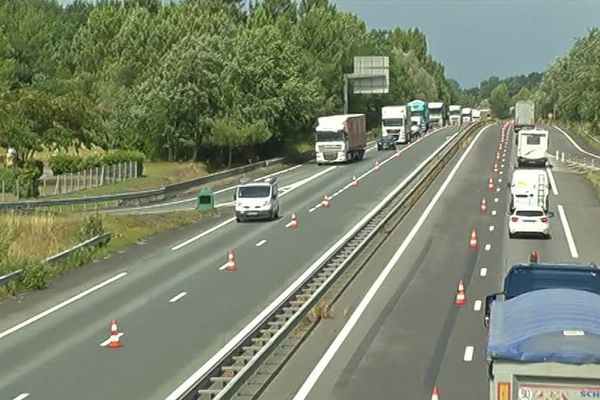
(532,146)
(529,187)
(256,200)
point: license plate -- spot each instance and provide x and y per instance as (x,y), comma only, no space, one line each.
(251,213)
(529,220)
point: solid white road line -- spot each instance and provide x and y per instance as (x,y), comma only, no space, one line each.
(483,272)
(568,234)
(189,382)
(107,341)
(552,181)
(222,267)
(488,247)
(576,145)
(477,305)
(286,189)
(179,296)
(21,396)
(260,243)
(468,356)
(366,300)
(61,305)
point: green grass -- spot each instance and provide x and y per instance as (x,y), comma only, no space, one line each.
(594,178)
(28,239)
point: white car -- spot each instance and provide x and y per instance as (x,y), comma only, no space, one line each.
(531,220)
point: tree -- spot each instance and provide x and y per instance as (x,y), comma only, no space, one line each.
(500,102)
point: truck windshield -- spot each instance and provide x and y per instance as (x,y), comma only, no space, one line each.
(393,122)
(454,112)
(534,139)
(329,136)
(526,279)
(254,191)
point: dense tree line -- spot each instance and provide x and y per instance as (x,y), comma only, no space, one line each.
(200,79)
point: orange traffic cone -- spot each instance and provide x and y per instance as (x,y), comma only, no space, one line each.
(461,286)
(377,166)
(115,340)
(231,262)
(354,181)
(496,168)
(483,207)
(534,257)
(435,394)
(325,201)
(461,298)
(294,223)
(473,241)
(490,184)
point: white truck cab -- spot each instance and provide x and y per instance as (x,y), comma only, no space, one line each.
(256,200)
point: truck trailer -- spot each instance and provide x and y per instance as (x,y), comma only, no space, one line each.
(545,345)
(340,138)
(524,115)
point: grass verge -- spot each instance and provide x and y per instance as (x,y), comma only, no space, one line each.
(594,177)
(29,239)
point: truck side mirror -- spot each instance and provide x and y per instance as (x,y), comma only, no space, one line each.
(488,303)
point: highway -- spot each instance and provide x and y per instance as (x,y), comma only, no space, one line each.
(172,298)
(396,332)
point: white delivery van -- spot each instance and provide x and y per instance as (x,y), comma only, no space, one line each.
(529,187)
(532,147)
(256,200)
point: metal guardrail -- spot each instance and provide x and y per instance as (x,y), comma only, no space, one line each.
(228,374)
(161,193)
(98,240)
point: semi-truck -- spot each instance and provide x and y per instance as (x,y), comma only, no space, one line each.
(340,138)
(419,116)
(437,114)
(544,335)
(465,115)
(394,121)
(454,112)
(532,147)
(475,115)
(524,115)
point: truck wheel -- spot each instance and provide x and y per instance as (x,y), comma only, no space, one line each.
(361,155)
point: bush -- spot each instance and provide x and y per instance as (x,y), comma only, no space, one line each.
(36,275)
(93,225)
(66,163)
(26,174)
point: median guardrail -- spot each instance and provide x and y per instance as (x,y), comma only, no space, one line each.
(148,195)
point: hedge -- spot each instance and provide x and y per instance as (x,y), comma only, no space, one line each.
(27,174)
(66,163)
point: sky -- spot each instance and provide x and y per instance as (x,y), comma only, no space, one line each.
(476,39)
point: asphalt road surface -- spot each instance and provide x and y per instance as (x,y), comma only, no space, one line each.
(397,331)
(174,302)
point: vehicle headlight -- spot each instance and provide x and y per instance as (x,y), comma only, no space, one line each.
(267,204)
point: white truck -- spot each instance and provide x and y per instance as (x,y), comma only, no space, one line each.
(455,113)
(394,121)
(465,115)
(524,115)
(545,345)
(340,138)
(529,187)
(475,115)
(532,146)
(256,200)
(437,114)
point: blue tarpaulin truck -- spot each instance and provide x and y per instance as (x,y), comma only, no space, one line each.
(544,335)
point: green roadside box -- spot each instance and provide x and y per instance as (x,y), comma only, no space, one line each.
(206,200)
